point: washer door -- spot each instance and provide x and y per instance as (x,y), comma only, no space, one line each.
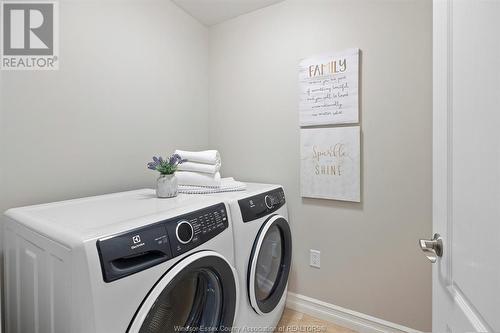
(197,294)
(270,264)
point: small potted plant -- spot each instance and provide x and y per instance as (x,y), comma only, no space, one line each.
(166,184)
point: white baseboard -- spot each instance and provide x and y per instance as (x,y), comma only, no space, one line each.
(359,322)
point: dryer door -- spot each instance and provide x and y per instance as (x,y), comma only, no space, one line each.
(197,294)
(270,264)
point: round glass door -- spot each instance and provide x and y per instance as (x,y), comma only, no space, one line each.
(270,264)
(197,295)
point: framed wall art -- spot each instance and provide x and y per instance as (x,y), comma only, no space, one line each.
(329,89)
(330,163)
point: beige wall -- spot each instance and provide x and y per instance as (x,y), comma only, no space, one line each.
(133,82)
(370,259)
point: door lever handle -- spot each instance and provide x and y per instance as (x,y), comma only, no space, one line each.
(433,248)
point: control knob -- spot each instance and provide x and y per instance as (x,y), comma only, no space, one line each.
(269,201)
(184,232)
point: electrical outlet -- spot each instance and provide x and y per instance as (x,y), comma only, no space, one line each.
(315,258)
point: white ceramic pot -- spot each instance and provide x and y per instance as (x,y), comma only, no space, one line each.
(166,186)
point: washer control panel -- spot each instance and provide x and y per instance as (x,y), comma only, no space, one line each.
(135,250)
(261,205)
(196,228)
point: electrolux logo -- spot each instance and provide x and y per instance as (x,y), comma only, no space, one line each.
(136,239)
(137,242)
(29,35)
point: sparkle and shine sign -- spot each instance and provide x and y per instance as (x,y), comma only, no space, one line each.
(330,163)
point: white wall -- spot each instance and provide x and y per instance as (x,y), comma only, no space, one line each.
(370,259)
(132,83)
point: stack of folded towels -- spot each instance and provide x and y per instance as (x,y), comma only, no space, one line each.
(200,173)
(201,168)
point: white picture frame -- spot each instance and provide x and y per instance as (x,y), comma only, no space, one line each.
(328,85)
(330,163)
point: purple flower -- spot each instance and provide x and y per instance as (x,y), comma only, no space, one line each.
(176,159)
(167,166)
(152,165)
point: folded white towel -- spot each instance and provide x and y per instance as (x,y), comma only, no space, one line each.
(198,179)
(199,167)
(226,185)
(206,156)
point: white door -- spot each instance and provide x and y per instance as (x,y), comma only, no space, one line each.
(466,162)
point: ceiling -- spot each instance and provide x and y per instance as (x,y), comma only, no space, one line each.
(210,12)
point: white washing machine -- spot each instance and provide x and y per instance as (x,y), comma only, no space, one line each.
(263,251)
(124,262)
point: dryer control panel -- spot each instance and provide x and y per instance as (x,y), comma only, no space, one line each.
(260,205)
(136,250)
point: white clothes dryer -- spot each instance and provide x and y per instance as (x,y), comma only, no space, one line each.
(263,251)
